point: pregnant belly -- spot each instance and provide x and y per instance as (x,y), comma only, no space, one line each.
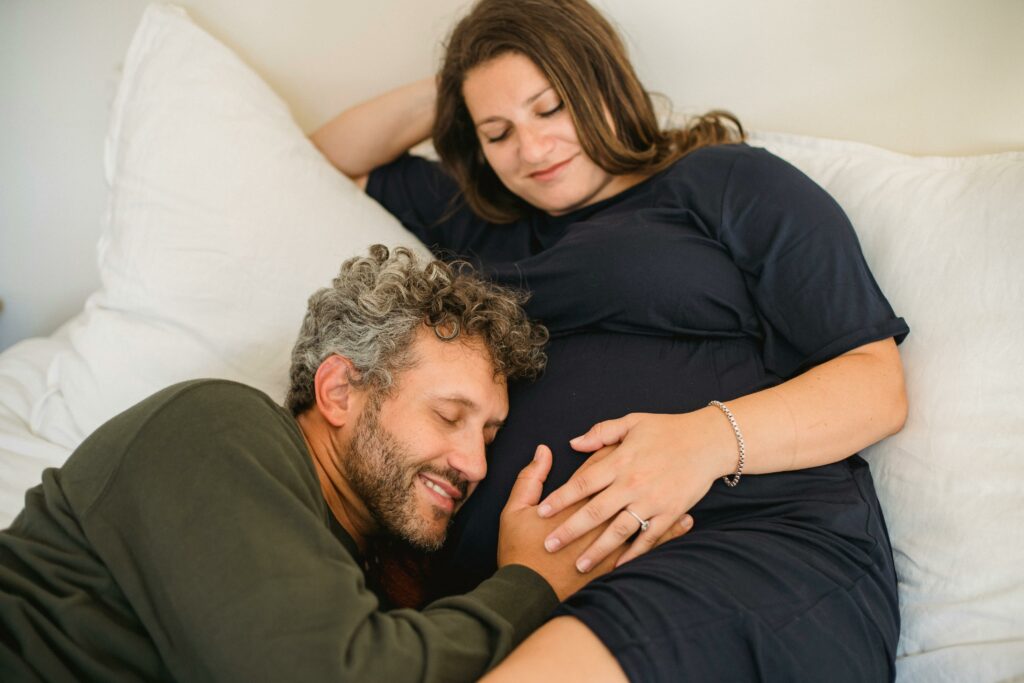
(592,377)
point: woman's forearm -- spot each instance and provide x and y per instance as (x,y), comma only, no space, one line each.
(664,464)
(822,416)
(819,417)
(377,131)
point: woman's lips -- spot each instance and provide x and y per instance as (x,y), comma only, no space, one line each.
(551,171)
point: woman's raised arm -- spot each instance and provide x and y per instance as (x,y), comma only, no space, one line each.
(377,131)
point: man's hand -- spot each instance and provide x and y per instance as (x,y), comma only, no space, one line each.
(522,533)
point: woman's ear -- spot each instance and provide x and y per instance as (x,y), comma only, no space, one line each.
(333,389)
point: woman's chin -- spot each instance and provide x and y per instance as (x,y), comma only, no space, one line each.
(557,206)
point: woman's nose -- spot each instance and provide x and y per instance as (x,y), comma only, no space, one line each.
(534,144)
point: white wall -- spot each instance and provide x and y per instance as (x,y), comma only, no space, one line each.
(57,75)
(916,76)
(919,76)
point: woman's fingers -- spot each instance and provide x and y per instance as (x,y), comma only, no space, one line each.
(585,482)
(623,527)
(601,441)
(649,540)
(604,434)
(598,456)
(594,513)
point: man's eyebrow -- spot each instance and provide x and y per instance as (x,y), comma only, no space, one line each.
(529,100)
(463,401)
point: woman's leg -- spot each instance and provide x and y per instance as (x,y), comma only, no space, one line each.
(562,651)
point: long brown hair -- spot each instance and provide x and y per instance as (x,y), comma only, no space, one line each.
(585,61)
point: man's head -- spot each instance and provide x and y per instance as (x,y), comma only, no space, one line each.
(401,371)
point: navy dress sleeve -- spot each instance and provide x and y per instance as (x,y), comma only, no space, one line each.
(416,192)
(803,266)
(429,203)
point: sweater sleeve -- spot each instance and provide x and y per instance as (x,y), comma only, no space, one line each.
(214,527)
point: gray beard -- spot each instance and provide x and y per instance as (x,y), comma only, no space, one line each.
(376,467)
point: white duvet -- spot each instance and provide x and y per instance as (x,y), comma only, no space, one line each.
(24,393)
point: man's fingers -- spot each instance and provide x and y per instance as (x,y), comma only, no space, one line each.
(530,482)
(682,527)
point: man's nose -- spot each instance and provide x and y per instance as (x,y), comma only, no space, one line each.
(470,459)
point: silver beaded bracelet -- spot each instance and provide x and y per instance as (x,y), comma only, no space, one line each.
(734,478)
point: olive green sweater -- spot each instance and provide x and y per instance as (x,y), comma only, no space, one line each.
(187,539)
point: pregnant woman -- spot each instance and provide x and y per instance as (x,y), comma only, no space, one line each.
(718,344)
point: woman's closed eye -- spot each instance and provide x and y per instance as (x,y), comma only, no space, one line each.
(496,137)
(554,110)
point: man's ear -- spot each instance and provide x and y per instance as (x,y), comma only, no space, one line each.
(334,391)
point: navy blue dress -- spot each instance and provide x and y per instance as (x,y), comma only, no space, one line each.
(727,273)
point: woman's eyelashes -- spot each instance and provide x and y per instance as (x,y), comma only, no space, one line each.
(494,137)
(554,110)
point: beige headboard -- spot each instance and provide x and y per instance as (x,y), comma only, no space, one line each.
(918,76)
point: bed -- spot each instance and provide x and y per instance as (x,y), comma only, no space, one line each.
(221,218)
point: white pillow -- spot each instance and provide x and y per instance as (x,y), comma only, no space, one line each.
(223,219)
(945,238)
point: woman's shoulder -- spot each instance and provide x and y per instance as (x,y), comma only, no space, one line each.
(740,168)
(712,171)
(727,157)
(729,179)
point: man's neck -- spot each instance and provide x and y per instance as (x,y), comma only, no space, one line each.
(341,500)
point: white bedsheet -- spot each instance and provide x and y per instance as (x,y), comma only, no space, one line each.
(27,409)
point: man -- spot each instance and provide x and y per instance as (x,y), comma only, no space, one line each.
(208,534)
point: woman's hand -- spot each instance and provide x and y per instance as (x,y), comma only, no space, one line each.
(663,465)
(521,530)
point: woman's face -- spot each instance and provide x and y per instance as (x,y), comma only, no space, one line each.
(529,139)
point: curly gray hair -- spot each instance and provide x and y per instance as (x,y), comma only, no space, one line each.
(375,305)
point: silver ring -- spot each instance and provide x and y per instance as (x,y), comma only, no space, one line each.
(644,523)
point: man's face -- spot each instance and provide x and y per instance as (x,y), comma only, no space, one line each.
(415,456)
